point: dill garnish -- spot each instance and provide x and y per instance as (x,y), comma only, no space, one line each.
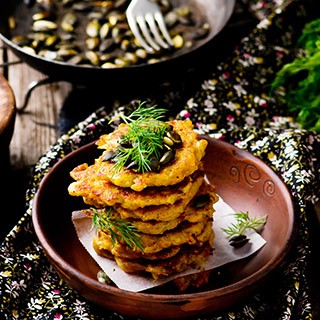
(144,139)
(117,228)
(243,222)
(296,84)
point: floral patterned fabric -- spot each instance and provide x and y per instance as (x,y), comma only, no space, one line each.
(233,104)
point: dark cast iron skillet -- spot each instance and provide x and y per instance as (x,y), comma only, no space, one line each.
(217,12)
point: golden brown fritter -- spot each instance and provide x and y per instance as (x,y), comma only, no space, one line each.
(104,246)
(187,160)
(100,193)
(188,257)
(175,229)
(186,233)
(191,213)
(155,227)
(168,212)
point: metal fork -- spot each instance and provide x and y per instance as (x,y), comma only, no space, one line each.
(144,16)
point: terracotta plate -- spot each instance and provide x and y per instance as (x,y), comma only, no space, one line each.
(243,181)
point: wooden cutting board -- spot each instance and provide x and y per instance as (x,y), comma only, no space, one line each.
(7,119)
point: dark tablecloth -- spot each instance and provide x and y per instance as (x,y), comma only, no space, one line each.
(233,103)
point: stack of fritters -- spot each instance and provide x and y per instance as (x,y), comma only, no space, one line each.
(172,209)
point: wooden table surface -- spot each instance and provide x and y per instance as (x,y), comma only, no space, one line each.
(35,127)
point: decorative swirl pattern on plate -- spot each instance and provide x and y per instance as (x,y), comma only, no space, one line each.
(235,172)
(251,174)
(269,187)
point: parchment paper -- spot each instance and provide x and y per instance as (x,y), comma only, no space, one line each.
(223,252)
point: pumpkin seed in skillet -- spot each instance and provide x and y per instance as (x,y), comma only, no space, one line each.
(44,25)
(68,22)
(87,32)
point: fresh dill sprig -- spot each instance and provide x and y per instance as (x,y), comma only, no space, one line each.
(143,114)
(296,84)
(244,222)
(143,140)
(117,228)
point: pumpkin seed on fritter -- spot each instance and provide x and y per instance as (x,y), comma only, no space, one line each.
(201,201)
(167,157)
(174,136)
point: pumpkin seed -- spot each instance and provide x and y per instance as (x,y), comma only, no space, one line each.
(66,53)
(202,32)
(47,54)
(68,22)
(106,45)
(201,200)
(108,65)
(174,136)
(76,59)
(121,62)
(103,278)
(51,40)
(238,241)
(178,41)
(44,25)
(93,28)
(167,157)
(82,6)
(107,35)
(109,155)
(28,50)
(92,43)
(168,141)
(93,57)
(104,30)
(154,164)
(20,40)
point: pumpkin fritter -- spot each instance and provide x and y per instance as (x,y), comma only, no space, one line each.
(101,193)
(170,208)
(187,160)
(188,257)
(103,245)
(186,233)
(192,213)
(167,212)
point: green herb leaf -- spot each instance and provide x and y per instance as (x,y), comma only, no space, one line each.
(244,222)
(144,139)
(297,84)
(117,228)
